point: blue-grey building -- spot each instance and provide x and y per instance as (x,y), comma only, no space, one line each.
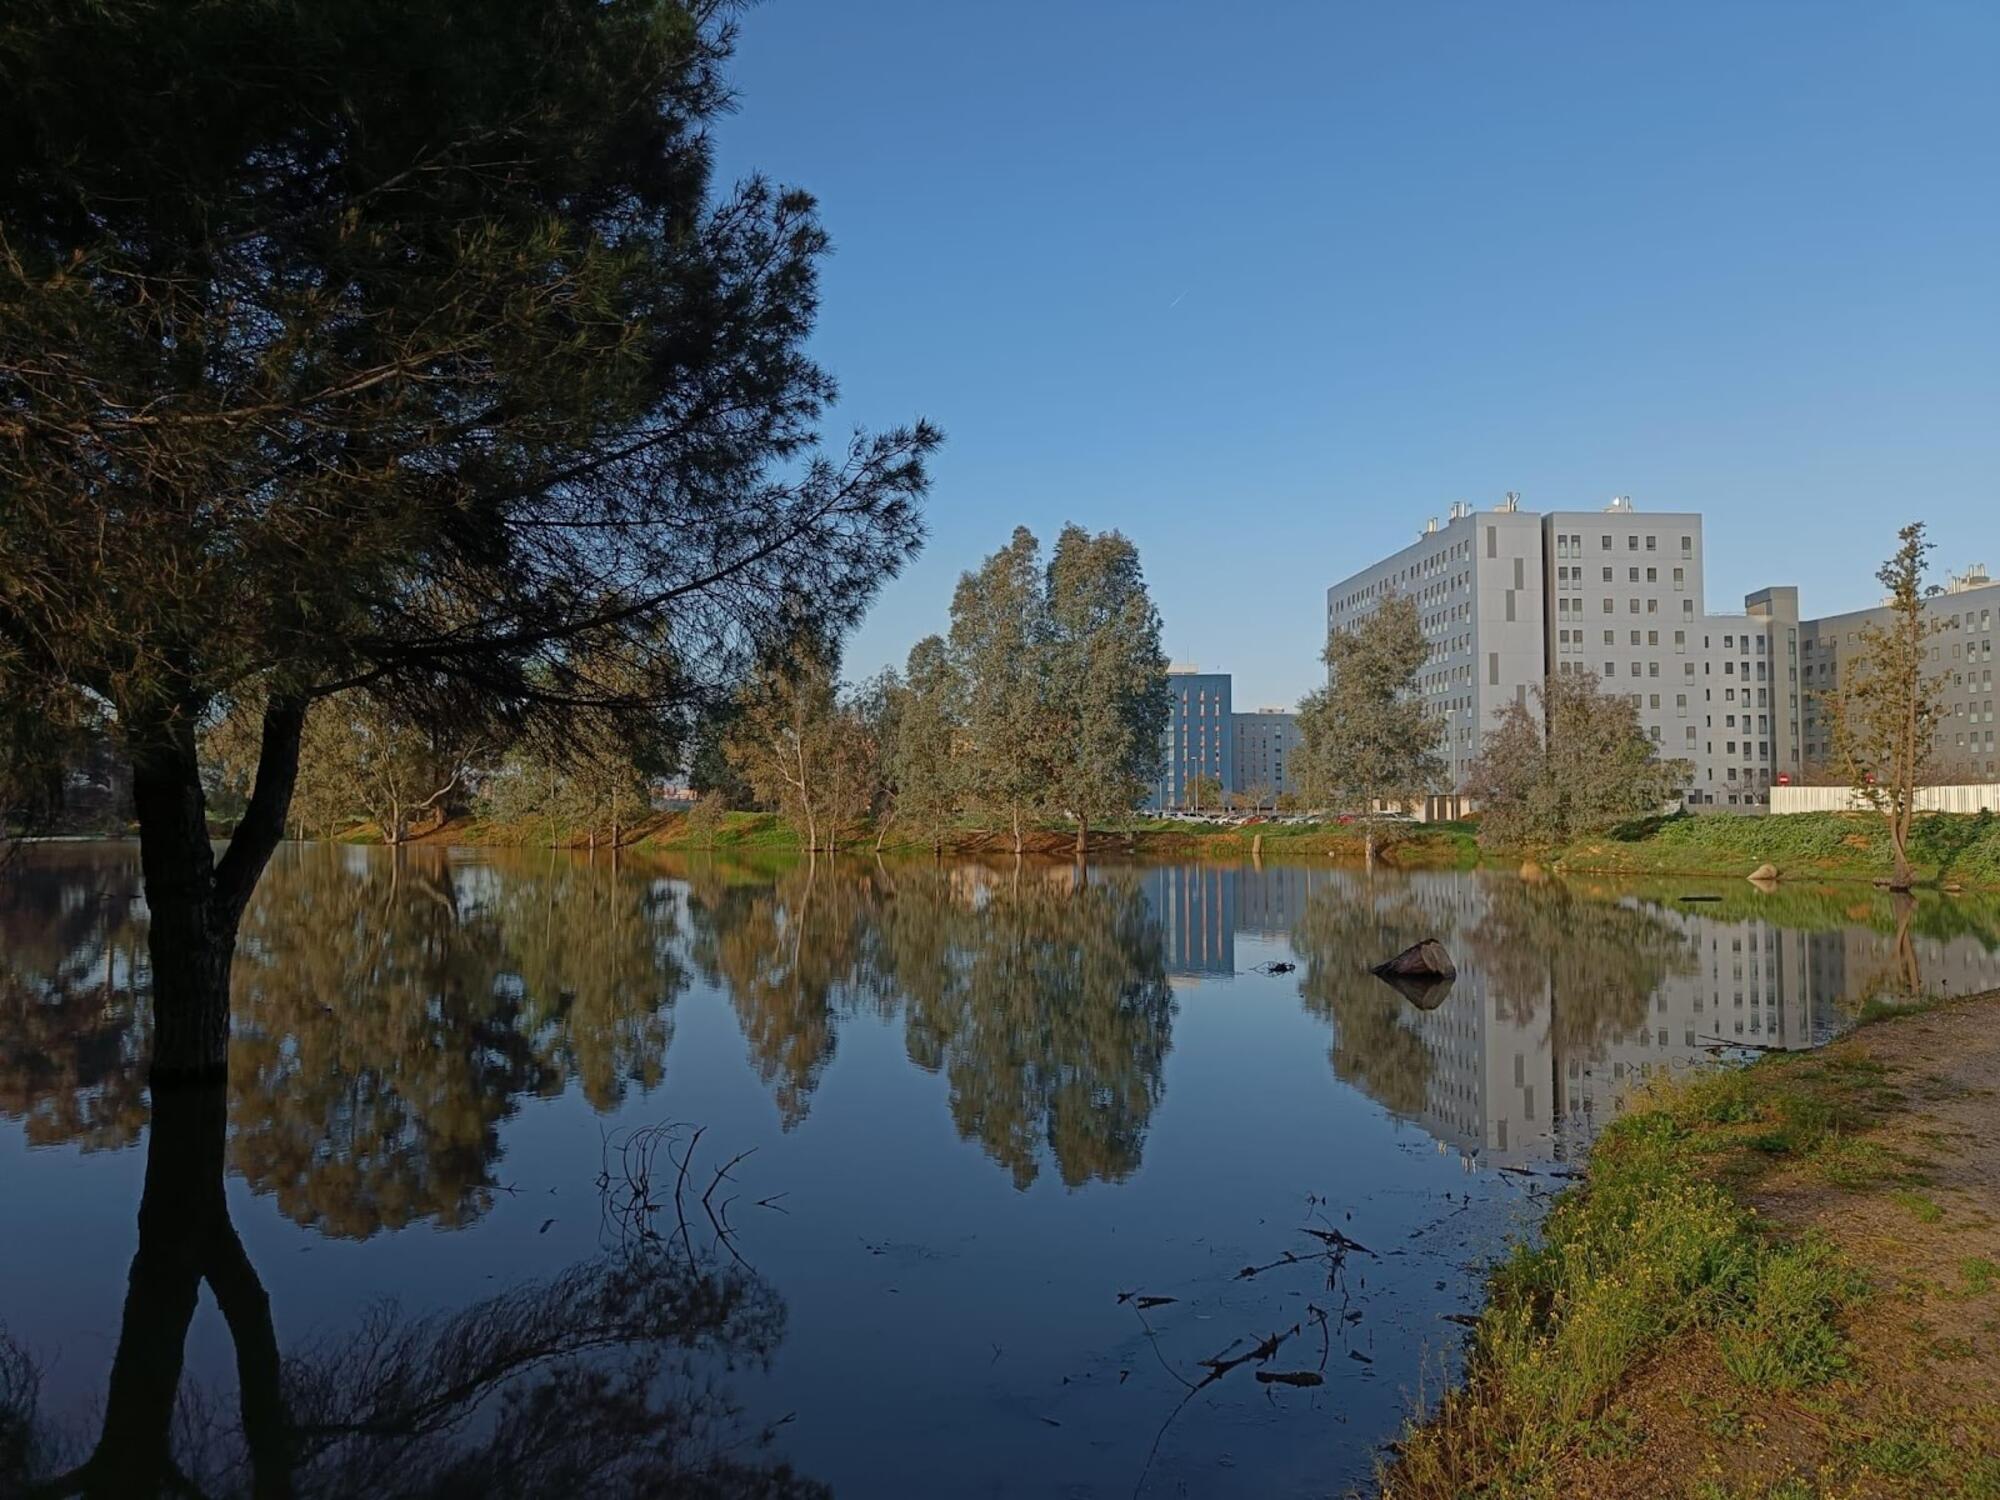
(1266,743)
(1200,738)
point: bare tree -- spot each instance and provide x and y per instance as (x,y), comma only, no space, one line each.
(1887,706)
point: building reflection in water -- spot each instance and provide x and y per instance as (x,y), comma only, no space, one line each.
(1568,995)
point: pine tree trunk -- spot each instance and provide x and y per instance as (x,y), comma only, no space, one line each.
(191,951)
(1082,839)
(195,903)
(1017,832)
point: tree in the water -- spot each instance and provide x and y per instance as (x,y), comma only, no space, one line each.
(1888,704)
(417,359)
(1367,740)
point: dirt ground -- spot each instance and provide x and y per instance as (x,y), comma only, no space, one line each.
(1916,1211)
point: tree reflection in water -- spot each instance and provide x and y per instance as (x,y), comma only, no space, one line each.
(604,1380)
(1041,996)
(389,1012)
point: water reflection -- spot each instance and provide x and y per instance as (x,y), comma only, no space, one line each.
(602,1380)
(391,1012)
(1042,998)
(415,1031)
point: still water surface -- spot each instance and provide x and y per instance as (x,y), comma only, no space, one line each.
(979,1120)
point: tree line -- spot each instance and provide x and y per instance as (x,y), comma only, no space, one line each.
(1045,700)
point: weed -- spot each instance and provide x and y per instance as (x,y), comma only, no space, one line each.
(1924,1210)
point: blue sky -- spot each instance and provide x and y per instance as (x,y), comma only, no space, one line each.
(1265,285)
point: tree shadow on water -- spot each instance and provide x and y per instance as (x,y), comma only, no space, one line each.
(606,1379)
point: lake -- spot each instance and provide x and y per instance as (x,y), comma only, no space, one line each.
(860,1179)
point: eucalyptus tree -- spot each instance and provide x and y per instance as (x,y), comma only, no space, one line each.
(924,763)
(1887,707)
(996,638)
(1105,678)
(1368,738)
(1063,680)
(785,734)
(346,345)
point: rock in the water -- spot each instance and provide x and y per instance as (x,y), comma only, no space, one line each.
(1425,960)
(1764,872)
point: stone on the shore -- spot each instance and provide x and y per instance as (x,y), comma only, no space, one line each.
(1764,872)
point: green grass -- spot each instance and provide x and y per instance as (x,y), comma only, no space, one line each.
(1656,1243)
(1961,848)
(1430,845)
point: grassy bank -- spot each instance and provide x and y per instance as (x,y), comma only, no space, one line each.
(1779,1281)
(1946,848)
(1427,846)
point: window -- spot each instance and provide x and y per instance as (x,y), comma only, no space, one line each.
(1607,544)
(1632,575)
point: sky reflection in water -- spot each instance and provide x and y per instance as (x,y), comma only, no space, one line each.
(980,1105)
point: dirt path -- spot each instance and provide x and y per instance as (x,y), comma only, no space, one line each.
(1912,1201)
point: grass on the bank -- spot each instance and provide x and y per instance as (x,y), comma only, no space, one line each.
(1960,847)
(1657,1244)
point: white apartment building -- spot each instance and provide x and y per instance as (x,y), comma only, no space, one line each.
(1508,596)
(1964,618)
(1478,583)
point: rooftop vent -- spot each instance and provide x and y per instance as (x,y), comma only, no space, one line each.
(1460,510)
(1512,503)
(1974,577)
(1620,503)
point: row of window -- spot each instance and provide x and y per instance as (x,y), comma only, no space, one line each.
(1572,545)
(1572,578)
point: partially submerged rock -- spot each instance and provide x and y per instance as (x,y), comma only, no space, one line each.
(1765,872)
(1425,960)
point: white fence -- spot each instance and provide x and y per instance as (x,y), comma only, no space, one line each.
(1953,799)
